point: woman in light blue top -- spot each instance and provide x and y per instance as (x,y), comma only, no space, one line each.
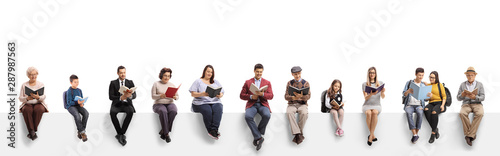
(210,108)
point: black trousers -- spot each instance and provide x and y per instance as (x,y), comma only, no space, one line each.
(433,119)
(129,110)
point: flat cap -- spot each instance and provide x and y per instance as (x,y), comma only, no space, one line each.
(296,69)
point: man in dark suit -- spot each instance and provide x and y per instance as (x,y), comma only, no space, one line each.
(121,103)
(257,103)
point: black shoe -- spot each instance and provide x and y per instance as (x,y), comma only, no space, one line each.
(369,142)
(29,136)
(437,133)
(433,137)
(167,139)
(124,140)
(121,139)
(414,139)
(259,143)
(162,136)
(34,137)
(213,134)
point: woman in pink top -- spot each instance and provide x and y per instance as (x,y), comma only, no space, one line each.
(33,105)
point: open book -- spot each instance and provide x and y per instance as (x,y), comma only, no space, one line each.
(126,89)
(474,92)
(28,91)
(212,92)
(369,89)
(420,93)
(170,93)
(78,98)
(254,88)
(303,91)
(335,103)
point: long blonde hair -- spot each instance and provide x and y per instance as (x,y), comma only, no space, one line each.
(368,77)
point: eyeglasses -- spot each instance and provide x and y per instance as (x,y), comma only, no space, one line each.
(371,73)
(432,77)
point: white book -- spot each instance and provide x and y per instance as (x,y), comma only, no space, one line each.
(124,88)
(254,88)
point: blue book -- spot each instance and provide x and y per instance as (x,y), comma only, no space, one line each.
(78,98)
(420,93)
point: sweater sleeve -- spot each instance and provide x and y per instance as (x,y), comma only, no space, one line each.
(287,96)
(154,95)
(308,96)
(22,95)
(42,98)
(443,92)
(480,94)
(460,90)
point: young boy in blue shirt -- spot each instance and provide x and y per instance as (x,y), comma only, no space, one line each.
(75,107)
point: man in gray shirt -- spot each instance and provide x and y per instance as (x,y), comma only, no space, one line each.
(471,93)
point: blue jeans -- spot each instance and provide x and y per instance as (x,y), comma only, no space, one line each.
(212,115)
(410,109)
(80,121)
(250,113)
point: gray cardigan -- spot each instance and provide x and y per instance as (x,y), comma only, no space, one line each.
(467,100)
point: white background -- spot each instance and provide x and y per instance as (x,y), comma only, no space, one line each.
(92,38)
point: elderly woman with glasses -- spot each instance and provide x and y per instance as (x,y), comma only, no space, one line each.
(33,102)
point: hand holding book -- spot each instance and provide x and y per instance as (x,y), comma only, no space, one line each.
(297,96)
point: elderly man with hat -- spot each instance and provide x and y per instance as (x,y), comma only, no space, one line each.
(471,93)
(297,103)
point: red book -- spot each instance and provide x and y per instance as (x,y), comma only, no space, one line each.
(170,93)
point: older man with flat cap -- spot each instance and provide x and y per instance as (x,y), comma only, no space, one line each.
(297,103)
(471,93)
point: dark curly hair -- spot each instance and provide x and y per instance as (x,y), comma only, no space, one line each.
(163,71)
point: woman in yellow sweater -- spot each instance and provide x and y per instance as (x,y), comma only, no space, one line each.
(436,105)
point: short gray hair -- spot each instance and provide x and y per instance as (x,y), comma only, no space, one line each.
(31,69)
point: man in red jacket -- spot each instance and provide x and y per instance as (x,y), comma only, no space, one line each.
(257,103)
